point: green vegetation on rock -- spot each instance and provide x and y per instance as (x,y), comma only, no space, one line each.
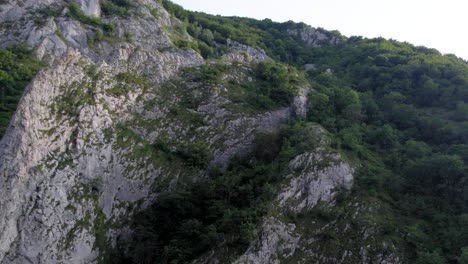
(18,66)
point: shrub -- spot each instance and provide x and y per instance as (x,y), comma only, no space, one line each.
(18,66)
(115,7)
(76,13)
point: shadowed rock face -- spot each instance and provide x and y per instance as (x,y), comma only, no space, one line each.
(313,37)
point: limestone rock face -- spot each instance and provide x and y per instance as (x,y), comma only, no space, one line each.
(46,25)
(275,240)
(300,104)
(315,177)
(313,37)
(313,183)
(15,10)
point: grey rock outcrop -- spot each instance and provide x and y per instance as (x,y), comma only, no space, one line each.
(51,164)
(244,54)
(293,232)
(313,37)
(300,103)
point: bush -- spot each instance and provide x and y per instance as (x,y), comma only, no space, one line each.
(195,154)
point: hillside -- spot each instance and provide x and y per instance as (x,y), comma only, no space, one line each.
(139,132)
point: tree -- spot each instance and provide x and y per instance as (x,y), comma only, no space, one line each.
(463,258)
(207,36)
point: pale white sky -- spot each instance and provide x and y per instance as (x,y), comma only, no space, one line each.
(440,24)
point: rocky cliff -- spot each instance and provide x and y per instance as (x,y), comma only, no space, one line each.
(61,176)
(78,159)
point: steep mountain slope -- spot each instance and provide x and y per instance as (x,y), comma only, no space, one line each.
(157,135)
(55,150)
(95,135)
